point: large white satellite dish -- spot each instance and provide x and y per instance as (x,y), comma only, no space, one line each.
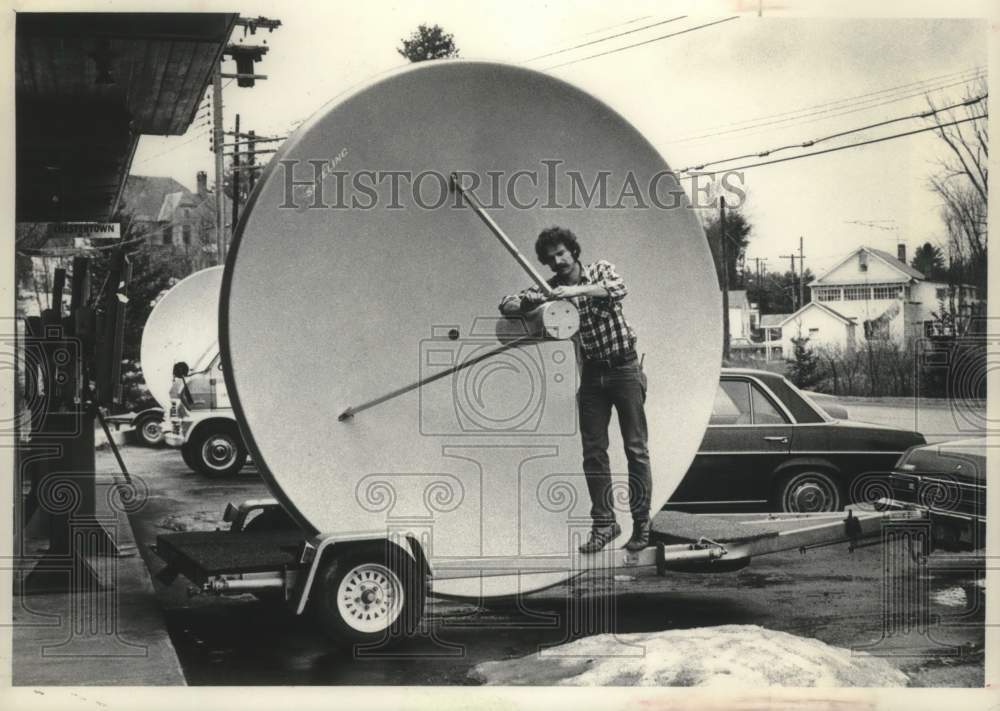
(343,292)
(183,326)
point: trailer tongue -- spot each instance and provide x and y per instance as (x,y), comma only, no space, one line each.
(283,563)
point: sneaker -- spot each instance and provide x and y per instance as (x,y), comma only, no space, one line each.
(600,536)
(640,537)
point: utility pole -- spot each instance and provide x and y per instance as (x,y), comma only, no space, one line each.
(236,179)
(725,278)
(220,218)
(251,160)
(802,276)
(246,56)
(757,262)
(792,257)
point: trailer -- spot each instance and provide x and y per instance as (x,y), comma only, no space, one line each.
(364,589)
(442,453)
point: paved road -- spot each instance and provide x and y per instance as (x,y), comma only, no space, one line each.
(829,594)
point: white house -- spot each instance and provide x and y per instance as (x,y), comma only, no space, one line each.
(743,316)
(885,297)
(822,325)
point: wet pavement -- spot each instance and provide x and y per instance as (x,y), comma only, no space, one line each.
(829,594)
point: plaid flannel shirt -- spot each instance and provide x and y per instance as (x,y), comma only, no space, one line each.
(604,332)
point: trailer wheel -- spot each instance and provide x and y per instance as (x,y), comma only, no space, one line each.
(808,491)
(218,451)
(369,594)
(148,430)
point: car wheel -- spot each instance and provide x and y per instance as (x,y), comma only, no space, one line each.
(188,455)
(149,430)
(218,452)
(369,594)
(808,491)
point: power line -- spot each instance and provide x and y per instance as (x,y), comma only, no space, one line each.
(794,114)
(605,39)
(856,145)
(640,44)
(830,113)
(840,134)
(200,134)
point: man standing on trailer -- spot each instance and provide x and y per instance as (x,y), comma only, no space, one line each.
(611,376)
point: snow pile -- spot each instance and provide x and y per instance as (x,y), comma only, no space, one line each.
(724,656)
(194,521)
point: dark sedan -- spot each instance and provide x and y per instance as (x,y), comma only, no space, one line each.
(948,480)
(769,446)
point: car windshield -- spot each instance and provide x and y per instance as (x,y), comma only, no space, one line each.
(812,403)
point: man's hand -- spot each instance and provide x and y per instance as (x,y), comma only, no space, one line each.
(567,292)
(526,301)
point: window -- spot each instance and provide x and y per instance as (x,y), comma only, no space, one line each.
(739,402)
(828,294)
(775,334)
(732,403)
(887,292)
(857,293)
(941,294)
(764,411)
(186,234)
(168,234)
(813,330)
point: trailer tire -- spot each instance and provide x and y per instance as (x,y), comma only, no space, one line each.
(369,594)
(809,490)
(149,430)
(218,450)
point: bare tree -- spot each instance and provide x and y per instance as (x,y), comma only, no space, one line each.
(963,180)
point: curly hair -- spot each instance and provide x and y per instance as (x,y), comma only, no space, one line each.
(552,237)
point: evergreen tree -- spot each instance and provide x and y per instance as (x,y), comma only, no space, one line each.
(804,367)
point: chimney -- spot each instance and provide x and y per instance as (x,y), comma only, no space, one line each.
(202,183)
(901,252)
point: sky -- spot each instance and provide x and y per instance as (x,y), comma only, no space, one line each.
(735,88)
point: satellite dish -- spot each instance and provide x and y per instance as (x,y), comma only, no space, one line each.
(183,326)
(345,285)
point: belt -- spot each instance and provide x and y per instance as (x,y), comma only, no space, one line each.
(613,361)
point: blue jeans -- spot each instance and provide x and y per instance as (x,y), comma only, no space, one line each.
(624,388)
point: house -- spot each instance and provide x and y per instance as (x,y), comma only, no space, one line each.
(743,316)
(822,325)
(887,298)
(770,324)
(173,215)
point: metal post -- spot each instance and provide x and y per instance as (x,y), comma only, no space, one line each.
(220,217)
(236,175)
(802,276)
(725,278)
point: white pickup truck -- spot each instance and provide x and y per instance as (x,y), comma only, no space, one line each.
(201,421)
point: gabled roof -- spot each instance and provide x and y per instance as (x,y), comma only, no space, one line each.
(143,196)
(772,320)
(899,266)
(738,299)
(173,201)
(823,307)
(894,262)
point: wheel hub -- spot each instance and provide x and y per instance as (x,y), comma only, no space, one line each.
(370,597)
(219,452)
(809,497)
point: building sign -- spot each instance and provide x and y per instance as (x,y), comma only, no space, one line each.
(86,230)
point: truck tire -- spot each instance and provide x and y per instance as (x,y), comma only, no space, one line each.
(218,450)
(148,429)
(187,454)
(808,491)
(369,594)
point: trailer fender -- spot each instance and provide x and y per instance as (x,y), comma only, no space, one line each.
(332,545)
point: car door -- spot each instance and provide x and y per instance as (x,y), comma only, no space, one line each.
(748,436)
